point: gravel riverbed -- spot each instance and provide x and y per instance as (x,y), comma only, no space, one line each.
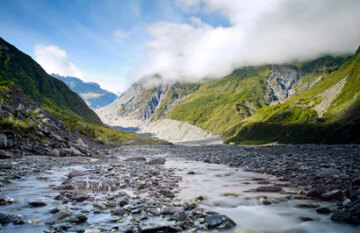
(129,189)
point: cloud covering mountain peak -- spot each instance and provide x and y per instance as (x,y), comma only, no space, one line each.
(273,31)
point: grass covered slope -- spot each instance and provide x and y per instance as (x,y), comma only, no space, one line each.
(327,112)
(224,102)
(33,81)
(21,75)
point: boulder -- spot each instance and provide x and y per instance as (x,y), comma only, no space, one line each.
(4,218)
(219,222)
(158,160)
(135,159)
(6,166)
(75,173)
(268,189)
(328,172)
(37,204)
(3,141)
(5,155)
(333,195)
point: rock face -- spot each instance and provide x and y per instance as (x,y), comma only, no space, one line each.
(36,131)
(281,82)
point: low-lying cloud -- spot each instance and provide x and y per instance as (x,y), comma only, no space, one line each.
(55,60)
(260,32)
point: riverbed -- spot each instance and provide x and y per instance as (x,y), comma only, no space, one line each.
(155,197)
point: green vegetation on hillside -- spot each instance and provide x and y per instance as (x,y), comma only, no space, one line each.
(296,121)
(51,93)
(20,75)
(218,105)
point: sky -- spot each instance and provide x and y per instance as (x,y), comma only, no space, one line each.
(116,42)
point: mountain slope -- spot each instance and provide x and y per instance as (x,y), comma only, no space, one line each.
(144,102)
(51,93)
(92,93)
(32,102)
(327,112)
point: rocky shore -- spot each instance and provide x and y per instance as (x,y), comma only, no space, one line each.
(326,172)
(128,189)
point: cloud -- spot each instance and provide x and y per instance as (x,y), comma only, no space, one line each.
(272,31)
(120,34)
(55,60)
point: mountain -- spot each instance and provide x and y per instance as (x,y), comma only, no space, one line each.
(238,106)
(33,81)
(40,111)
(92,93)
(326,112)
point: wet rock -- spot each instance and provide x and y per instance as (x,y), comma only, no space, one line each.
(3,141)
(61,227)
(219,222)
(328,172)
(191,173)
(160,228)
(37,204)
(4,219)
(266,202)
(5,155)
(135,159)
(158,160)
(341,217)
(316,192)
(76,219)
(119,212)
(323,210)
(180,216)
(75,173)
(332,195)
(306,218)
(307,205)
(6,166)
(6,200)
(268,189)
(17,220)
(80,197)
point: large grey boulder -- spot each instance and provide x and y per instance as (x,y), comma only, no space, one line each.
(157,160)
(3,141)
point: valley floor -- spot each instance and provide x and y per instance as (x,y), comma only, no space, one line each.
(170,188)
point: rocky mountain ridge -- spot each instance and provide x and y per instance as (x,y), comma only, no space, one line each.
(220,105)
(94,96)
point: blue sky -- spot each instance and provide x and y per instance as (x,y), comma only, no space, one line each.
(115,42)
(86,30)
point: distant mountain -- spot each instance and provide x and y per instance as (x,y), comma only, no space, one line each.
(309,102)
(92,93)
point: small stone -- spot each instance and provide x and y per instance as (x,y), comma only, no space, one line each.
(307,205)
(268,189)
(306,218)
(37,204)
(266,202)
(323,210)
(340,217)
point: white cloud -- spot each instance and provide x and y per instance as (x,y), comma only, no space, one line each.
(271,31)
(120,34)
(55,60)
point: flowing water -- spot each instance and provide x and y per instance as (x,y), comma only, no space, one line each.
(228,191)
